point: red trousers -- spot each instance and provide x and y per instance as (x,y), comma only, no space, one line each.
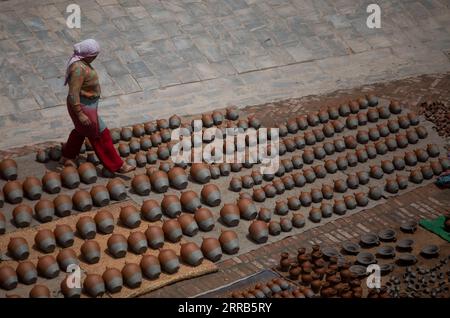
(103,147)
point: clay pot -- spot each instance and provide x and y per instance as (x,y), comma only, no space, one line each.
(436,167)
(331,166)
(318,134)
(116,189)
(129,216)
(191,254)
(279,186)
(258,231)
(162,123)
(190,201)
(363,177)
(178,178)
(413,118)
(39,291)
(66,257)
(383,130)
(188,224)
(381,147)
(340,186)
(387,166)
(398,163)
(394,107)
(351,122)
(26,273)
(299,142)
(299,179)
(151,156)
(141,184)
(410,158)
(211,195)
(235,184)
(2,223)
(326,210)
(112,278)
(309,175)
(427,172)
(281,208)
(172,230)
(313,119)
(362,119)
(371,151)
(339,145)
(344,110)
(264,214)
(305,198)
(342,163)
(286,224)
(402,182)
(87,173)
(247,209)
(383,112)
(339,207)
(45,241)
(294,203)
(350,202)
(117,245)
(403,122)
(90,250)
(8,278)
(163,152)
(42,156)
(47,267)
(292,126)
(421,154)
(63,205)
(169,261)
(100,195)
(204,219)
(310,139)
(22,215)
(289,182)
(421,132)
(372,115)
(94,285)
(13,192)
(132,275)
(412,136)
(137,242)
(352,181)
(51,182)
(32,187)
(328,130)
(64,235)
(316,195)
(230,214)
(18,248)
(315,215)
(361,199)
(391,186)
(376,172)
(259,195)
(229,242)
(70,178)
(298,220)
(145,143)
(433,150)
(200,173)
(86,227)
(287,164)
(375,193)
(69,292)
(150,266)
(393,126)
(82,200)
(8,169)
(156,139)
(333,112)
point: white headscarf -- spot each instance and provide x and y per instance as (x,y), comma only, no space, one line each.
(81,50)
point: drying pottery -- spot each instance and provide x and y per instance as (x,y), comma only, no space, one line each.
(339,207)
(327,191)
(427,172)
(352,159)
(232,114)
(412,136)
(350,248)
(82,200)
(155,236)
(407,259)
(247,209)
(190,201)
(165,135)
(421,132)
(405,244)
(369,239)
(42,156)
(172,230)
(257,177)
(445,163)
(387,235)
(430,251)
(339,145)
(288,182)
(292,125)
(264,214)
(8,169)
(126,133)
(258,231)
(395,107)
(315,215)
(361,199)
(350,202)
(294,203)
(145,143)
(383,130)
(309,175)
(137,242)
(163,152)
(393,126)
(18,248)
(169,261)
(436,167)
(47,267)
(124,150)
(383,112)
(230,214)
(69,292)
(151,211)
(63,205)
(211,249)
(381,147)
(13,192)
(342,163)
(374,134)
(387,166)
(279,186)
(333,112)
(151,156)
(112,278)
(259,195)
(156,139)
(100,195)
(207,120)
(299,180)
(26,273)
(416,176)
(235,184)
(70,177)
(162,123)
(32,187)
(51,182)
(340,186)
(391,186)
(391,143)
(141,159)
(66,257)
(217,117)
(115,135)
(371,151)
(326,210)
(178,178)
(363,177)
(352,122)
(86,227)
(64,235)
(433,150)
(45,241)
(200,173)
(204,218)
(129,216)
(8,278)
(323,115)
(410,158)
(298,220)
(313,119)
(141,184)
(90,250)
(188,224)
(403,122)
(215,171)
(402,140)
(94,285)
(87,173)
(318,134)
(287,164)
(372,115)
(2,223)
(376,172)
(402,182)
(229,242)
(316,195)
(305,198)
(362,155)
(365,258)
(247,182)
(352,181)
(310,139)
(375,193)
(116,189)
(386,251)
(191,254)
(281,208)
(117,245)
(344,110)
(131,161)
(398,162)
(150,266)
(413,118)
(331,166)
(22,215)
(286,224)
(160,180)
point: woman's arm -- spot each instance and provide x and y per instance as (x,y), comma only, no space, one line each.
(76,78)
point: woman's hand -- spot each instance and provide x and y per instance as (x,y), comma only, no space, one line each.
(84,119)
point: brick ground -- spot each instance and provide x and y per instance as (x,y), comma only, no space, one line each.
(165,57)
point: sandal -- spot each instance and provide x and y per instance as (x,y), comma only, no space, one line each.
(126,168)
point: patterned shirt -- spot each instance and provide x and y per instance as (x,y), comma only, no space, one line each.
(83,81)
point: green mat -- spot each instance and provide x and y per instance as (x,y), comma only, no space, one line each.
(436,226)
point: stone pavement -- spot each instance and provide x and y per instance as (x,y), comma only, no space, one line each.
(191,56)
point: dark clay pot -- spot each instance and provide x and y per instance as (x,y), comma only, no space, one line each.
(113,280)
(32,187)
(376,172)
(433,150)
(402,182)
(326,209)
(391,186)
(86,227)
(51,182)
(383,112)
(130,217)
(137,242)
(333,112)
(45,241)
(339,207)
(403,122)
(26,273)
(82,200)
(387,166)
(394,107)
(398,162)
(150,266)
(281,208)
(351,122)
(339,145)
(352,181)
(412,136)
(190,201)
(247,182)
(8,169)
(47,267)
(340,186)
(188,224)
(200,173)
(298,220)
(172,230)
(87,172)
(155,236)
(211,249)
(361,199)
(191,254)
(285,224)
(421,154)
(264,214)
(70,178)
(204,218)
(63,205)
(64,235)
(372,115)
(39,291)
(315,215)
(350,202)
(247,209)
(117,245)
(90,250)
(421,132)
(294,203)
(22,215)
(169,261)
(100,195)
(229,242)
(375,193)
(141,184)
(66,257)
(151,211)
(94,285)
(362,119)
(327,191)
(427,172)
(13,192)
(342,163)
(18,248)
(410,158)
(230,214)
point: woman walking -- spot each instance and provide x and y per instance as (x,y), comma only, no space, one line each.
(82,104)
